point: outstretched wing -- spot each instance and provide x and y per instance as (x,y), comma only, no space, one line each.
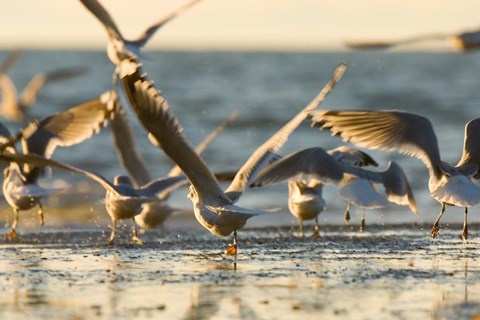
(162,185)
(145,36)
(104,17)
(126,146)
(262,155)
(311,162)
(66,128)
(164,128)
(402,132)
(470,161)
(40,161)
(205,142)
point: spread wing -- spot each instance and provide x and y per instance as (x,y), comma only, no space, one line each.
(104,17)
(163,185)
(265,152)
(143,38)
(40,161)
(470,161)
(311,162)
(153,111)
(205,142)
(66,128)
(126,146)
(402,132)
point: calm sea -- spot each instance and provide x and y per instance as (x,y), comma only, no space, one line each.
(267,89)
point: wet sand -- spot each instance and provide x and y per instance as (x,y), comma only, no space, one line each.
(387,272)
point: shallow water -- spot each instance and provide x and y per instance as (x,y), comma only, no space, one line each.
(393,272)
(203,88)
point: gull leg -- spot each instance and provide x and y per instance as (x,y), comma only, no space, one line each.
(315,229)
(112,235)
(465,226)
(347,214)
(135,237)
(300,226)
(13,233)
(362,222)
(40,214)
(232,249)
(435,229)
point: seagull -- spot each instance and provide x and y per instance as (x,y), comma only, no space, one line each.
(122,199)
(319,168)
(413,135)
(214,208)
(463,41)
(305,200)
(120,48)
(62,129)
(13,106)
(153,213)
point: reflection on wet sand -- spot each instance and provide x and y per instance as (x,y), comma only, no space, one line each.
(383,273)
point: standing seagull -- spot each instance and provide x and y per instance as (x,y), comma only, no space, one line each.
(413,135)
(213,208)
(62,129)
(118,47)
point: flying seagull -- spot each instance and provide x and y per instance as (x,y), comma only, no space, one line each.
(413,135)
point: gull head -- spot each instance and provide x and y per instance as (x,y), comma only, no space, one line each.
(119,180)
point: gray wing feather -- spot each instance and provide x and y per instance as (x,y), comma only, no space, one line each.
(104,17)
(204,144)
(39,161)
(153,112)
(313,162)
(470,161)
(385,130)
(145,36)
(163,185)
(126,146)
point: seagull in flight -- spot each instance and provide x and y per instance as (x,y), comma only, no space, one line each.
(155,212)
(214,208)
(463,41)
(120,48)
(413,135)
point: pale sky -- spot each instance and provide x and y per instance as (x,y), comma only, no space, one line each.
(235,24)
